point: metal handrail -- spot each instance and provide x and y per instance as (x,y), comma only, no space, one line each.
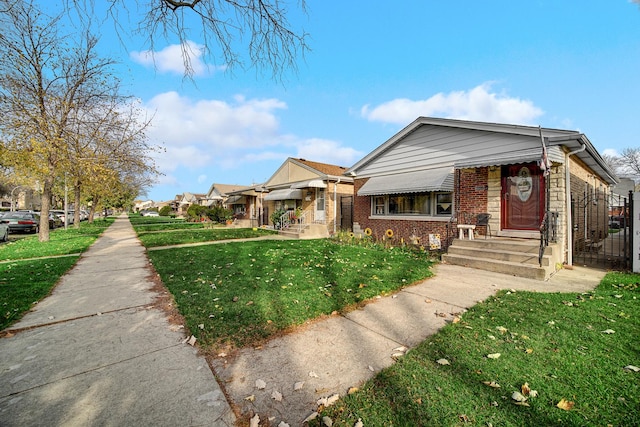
(548,232)
(291,220)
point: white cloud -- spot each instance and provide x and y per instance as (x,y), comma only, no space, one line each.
(209,135)
(327,151)
(479,103)
(611,151)
(171,58)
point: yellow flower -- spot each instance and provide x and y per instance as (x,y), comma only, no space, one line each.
(389,233)
(367,231)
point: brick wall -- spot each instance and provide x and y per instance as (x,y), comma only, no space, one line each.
(474,186)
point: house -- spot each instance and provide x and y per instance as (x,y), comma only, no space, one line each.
(219,193)
(247,206)
(433,181)
(307,197)
(181,202)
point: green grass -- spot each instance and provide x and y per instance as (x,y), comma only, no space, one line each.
(139,220)
(173,237)
(61,242)
(237,294)
(553,342)
(167,226)
(23,283)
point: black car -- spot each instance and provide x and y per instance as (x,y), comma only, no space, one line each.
(25,222)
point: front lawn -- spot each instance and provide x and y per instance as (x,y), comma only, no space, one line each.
(172,237)
(572,349)
(240,293)
(24,283)
(61,242)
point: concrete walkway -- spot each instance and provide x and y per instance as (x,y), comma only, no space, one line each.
(98,351)
(330,356)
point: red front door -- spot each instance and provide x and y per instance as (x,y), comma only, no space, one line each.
(522,197)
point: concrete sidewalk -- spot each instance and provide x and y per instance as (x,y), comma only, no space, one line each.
(98,352)
(328,357)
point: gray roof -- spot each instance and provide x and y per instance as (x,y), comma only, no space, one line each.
(463,143)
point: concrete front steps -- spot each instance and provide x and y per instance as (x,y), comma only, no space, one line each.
(307,231)
(517,257)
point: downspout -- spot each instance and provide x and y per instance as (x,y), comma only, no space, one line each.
(335,205)
(567,183)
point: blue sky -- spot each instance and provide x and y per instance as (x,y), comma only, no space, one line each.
(374,66)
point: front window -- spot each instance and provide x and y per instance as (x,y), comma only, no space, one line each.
(422,204)
(444,203)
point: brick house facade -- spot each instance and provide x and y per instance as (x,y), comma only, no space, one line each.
(495,169)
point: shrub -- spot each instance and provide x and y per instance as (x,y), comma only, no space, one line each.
(165,211)
(219,214)
(275,217)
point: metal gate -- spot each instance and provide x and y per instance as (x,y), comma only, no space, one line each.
(346,213)
(602,229)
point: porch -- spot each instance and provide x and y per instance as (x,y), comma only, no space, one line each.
(302,225)
(509,255)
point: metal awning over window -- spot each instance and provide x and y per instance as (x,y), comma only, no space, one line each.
(314,183)
(236,200)
(286,194)
(439,179)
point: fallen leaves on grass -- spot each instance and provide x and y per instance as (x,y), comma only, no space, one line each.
(630,368)
(442,362)
(519,398)
(608,331)
(491,384)
(493,355)
(565,404)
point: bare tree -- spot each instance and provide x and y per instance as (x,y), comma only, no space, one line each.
(45,80)
(628,162)
(230,30)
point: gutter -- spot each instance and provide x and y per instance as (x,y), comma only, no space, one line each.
(567,183)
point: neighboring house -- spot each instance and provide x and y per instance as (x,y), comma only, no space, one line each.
(247,206)
(181,203)
(436,174)
(219,193)
(310,193)
(140,205)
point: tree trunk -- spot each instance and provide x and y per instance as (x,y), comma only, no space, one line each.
(45,206)
(76,204)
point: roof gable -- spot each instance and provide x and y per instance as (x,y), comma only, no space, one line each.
(222,190)
(296,170)
(429,142)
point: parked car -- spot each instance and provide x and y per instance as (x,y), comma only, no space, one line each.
(4,230)
(54,221)
(150,213)
(25,222)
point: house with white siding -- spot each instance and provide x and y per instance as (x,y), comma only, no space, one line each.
(435,180)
